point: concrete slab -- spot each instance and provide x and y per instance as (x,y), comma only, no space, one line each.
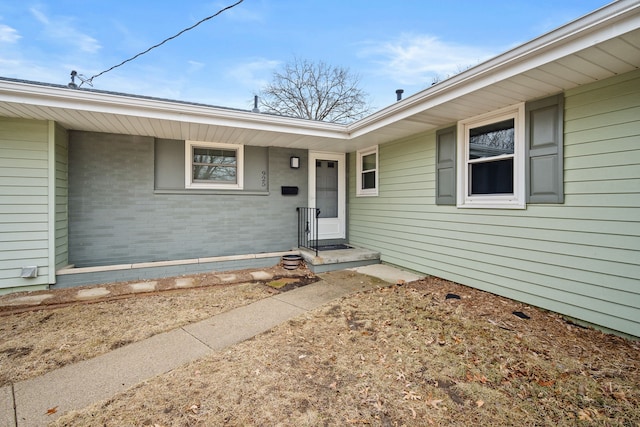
(80,270)
(184,282)
(92,293)
(165,263)
(261,275)
(143,286)
(7,411)
(329,288)
(388,273)
(226,277)
(27,300)
(81,384)
(242,323)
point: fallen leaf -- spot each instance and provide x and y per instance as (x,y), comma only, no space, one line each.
(357,421)
(410,395)
(479,403)
(365,392)
(619,395)
(584,416)
(546,383)
(434,403)
(378,403)
(52,411)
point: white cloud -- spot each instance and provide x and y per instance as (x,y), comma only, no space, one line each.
(8,34)
(253,74)
(414,59)
(61,29)
(39,15)
(195,66)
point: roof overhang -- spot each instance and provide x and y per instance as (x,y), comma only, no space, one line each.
(602,44)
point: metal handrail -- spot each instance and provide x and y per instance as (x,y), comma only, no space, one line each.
(308,228)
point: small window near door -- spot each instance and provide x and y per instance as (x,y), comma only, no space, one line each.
(367,174)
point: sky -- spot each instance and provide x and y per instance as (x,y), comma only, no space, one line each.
(226,60)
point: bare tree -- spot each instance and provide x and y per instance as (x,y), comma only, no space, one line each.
(315,91)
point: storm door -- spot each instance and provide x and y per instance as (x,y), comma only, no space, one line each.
(327,193)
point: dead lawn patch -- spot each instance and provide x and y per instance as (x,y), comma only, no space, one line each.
(35,342)
(402,355)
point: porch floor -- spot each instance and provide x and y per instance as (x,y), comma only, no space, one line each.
(338,259)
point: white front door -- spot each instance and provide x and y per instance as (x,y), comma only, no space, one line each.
(327,179)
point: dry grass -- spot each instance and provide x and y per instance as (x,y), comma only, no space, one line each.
(35,342)
(403,355)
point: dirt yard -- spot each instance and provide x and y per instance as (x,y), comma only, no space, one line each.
(425,353)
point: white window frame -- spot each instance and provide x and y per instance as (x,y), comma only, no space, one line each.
(504,201)
(188,172)
(364,192)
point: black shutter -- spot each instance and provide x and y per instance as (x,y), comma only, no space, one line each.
(544,150)
(446,166)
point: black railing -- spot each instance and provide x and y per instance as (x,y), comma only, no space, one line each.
(308,228)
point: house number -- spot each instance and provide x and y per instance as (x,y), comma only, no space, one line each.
(264,178)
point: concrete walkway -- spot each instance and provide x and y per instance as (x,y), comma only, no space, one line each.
(73,387)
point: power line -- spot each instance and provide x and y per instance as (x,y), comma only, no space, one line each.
(90,80)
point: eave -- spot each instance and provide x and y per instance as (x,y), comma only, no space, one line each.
(599,45)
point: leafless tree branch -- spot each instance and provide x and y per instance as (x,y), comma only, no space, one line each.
(315,91)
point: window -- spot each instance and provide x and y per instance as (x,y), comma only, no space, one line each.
(503,159)
(211,165)
(491,165)
(367,173)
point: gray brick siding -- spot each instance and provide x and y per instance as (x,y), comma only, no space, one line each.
(116,217)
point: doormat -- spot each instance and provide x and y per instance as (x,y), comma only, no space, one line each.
(332,247)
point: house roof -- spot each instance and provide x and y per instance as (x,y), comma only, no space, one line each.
(599,45)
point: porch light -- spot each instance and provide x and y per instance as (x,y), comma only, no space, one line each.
(294,162)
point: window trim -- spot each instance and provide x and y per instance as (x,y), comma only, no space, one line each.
(188,171)
(508,201)
(368,192)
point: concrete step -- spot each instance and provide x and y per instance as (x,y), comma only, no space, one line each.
(339,259)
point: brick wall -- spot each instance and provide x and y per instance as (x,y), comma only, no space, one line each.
(115,216)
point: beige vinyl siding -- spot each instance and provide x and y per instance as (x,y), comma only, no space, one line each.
(62,194)
(23,202)
(580,258)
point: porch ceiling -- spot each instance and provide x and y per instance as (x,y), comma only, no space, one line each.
(600,45)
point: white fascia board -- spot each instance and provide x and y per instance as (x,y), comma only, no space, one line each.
(601,25)
(107,103)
